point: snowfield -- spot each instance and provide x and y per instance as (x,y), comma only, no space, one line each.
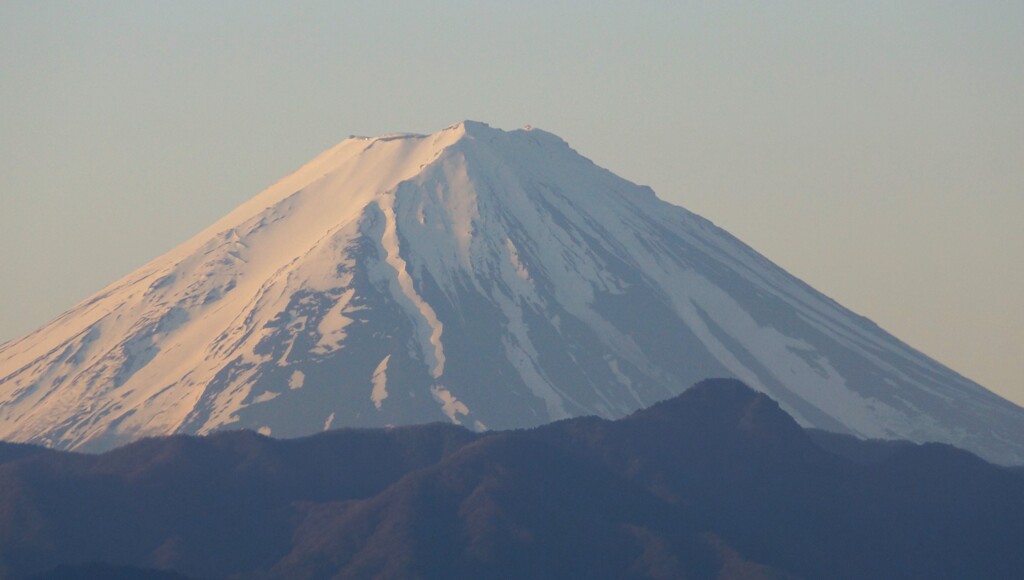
(483,277)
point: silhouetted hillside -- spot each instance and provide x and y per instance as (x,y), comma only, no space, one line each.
(101,571)
(12,451)
(718,482)
(858,450)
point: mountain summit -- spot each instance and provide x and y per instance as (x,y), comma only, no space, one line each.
(488,278)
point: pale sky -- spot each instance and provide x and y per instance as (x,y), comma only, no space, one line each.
(873,149)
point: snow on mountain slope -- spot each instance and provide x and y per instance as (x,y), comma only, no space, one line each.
(488,278)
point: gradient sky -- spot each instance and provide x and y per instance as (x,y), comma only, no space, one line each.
(873,149)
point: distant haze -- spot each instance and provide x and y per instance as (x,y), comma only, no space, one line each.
(873,149)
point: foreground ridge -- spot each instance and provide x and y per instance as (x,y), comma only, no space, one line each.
(718,482)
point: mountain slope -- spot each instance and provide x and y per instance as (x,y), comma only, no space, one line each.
(488,278)
(718,482)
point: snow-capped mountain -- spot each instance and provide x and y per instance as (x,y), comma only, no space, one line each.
(488,278)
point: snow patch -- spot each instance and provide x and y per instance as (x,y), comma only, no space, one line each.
(380,383)
(519,351)
(297,380)
(450,405)
(517,264)
(623,380)
(329,421)
(432,349)
(295,328)
(331,327)
(266,396)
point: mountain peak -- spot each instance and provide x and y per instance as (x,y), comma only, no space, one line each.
(527,136)
(487,278)
(470,126)
(726,406)
(460,129)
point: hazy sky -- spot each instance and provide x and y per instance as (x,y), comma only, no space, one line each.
(873,149)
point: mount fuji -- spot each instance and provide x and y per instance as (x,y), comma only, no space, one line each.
(487,278)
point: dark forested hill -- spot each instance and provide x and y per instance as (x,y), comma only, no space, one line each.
(718,482)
